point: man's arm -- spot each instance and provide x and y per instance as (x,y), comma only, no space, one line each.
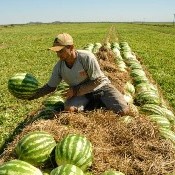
(87,87)
(96,76)
(46,89)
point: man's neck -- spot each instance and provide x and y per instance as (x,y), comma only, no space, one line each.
(71,60)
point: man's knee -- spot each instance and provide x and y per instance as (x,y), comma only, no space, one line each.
(124,110)
(70,108)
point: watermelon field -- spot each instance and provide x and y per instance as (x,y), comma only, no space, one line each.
(24,49)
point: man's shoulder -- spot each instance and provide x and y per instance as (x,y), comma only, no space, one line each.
(85,53)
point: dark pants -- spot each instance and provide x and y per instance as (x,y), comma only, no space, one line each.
(110,97)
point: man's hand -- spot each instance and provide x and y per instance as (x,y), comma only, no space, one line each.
(69,93)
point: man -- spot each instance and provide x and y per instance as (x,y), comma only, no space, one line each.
(81,71)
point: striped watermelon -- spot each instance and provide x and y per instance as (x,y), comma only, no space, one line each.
(116,51)
(169,115)
(155,109)
(136,65)
(168,134)
(152,109)
(127,119)
(147,97)
(129,62)
(55,102)
(74,149)
(67,169)
(160,120)
(137,73)
(19,167)
(115,45)
(140,79)
(35,147)
(110,172)
(129,88)
(62,87)
(23,85)
(145,86)
(127,54)
(96,47)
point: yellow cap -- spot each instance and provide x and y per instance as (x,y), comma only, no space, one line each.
(62,40)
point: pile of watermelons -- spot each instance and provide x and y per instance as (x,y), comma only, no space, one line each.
(73,155)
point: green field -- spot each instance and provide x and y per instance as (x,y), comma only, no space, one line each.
(24,49)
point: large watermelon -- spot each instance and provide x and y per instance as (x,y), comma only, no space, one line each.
(62,87)
(55,102)
(18,167)
(74,149)
(161,121)
(67,169)
(155,109)
(147,97)
(23,85)
(35,147)
(168,134)
(127,119)
(129,88)
(110,172)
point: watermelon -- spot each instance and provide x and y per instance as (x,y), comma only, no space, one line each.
(123,43)
(18,167)
(129,88)
(155,109)
(96,47)
(136,65)
(23,85)
(121,64)
(62,87)
(168,134)
(140,79)
(160,120)
(89,47)
(116,51)
(35,147)
(110,172)
(145,86)
(55,102)
(127,54)
(137,73)
(74,149)
(169,115)
(147,97)
(67,169)
(152,109)
(129,62)
(127,119)
(115,45)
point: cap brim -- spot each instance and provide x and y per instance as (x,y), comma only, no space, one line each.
(56,48)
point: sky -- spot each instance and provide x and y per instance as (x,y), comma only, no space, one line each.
(25,11)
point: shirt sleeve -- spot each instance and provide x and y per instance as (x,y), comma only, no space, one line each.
(55,78)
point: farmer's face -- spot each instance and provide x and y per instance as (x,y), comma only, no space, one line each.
(64,53)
